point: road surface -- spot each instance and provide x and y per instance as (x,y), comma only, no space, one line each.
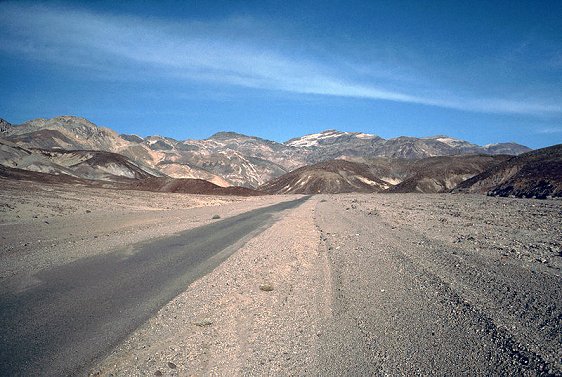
(65,318)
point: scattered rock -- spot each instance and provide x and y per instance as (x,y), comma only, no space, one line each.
(171,365)
(158,373)
(216,217)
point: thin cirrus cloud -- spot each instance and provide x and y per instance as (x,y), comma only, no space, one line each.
(550,130)
(112,44)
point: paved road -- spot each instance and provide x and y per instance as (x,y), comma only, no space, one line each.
(76,313)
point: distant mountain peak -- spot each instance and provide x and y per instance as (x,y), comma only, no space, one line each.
(133,138)
(450,141)
(227,135)
(313,140)
(68,122)
(71,120)
(506,148)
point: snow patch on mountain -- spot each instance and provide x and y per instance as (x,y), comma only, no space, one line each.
(313,140)
(450,141)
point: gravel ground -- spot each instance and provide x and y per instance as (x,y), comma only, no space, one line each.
(355,284)
(429,285)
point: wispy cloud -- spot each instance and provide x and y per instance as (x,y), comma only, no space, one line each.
(550,130)
(197,51)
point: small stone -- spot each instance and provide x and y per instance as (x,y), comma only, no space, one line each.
(216,217)
(88,211)
(266,287)
(203,323)
(158,373)
(171,365)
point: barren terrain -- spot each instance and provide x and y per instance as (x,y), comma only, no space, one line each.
(353,284)
(44,225)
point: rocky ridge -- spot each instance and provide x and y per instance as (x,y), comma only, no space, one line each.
(332,144)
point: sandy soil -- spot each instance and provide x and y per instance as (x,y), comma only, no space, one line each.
(47,225)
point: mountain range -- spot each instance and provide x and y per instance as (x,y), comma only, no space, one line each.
(225,159)
(74,150)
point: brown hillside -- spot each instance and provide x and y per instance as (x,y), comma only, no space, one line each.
(335,176)
(534,174)
(442,174)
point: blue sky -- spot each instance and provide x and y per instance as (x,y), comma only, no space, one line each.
(482,71)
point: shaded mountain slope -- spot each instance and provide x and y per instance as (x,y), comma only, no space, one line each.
(336,176)
(156,184)
(189,186)
(87,164)
(442,174)
(533,174)
(391,170)
(7,172)
(428,175)
(99,164)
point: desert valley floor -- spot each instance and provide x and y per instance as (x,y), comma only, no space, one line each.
(356,284)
